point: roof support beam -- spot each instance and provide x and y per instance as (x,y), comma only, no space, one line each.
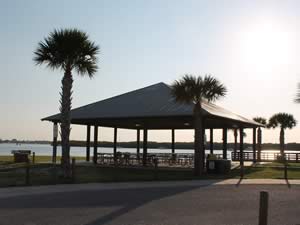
(242,151)
(55,134)
(224,143)
(173,141)
(211,144)
(138,131)
(88,142)
(145,147)
(95,144)
(254,145)
(115,144)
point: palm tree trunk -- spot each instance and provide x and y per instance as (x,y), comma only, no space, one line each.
(199,147)
(235,142)
(281,142)
(65,108)
(259,138)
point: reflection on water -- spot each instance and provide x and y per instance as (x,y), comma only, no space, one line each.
(43,149)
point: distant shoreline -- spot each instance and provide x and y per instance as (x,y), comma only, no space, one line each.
(161,145)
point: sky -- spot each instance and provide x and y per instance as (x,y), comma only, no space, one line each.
(250,46)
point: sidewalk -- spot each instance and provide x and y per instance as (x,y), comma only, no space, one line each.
(36,190)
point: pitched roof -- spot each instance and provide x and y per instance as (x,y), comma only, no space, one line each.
(152,101)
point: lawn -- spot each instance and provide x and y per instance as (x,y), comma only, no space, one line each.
(38,159)
(43,173)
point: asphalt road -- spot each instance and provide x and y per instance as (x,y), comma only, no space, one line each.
(160,205)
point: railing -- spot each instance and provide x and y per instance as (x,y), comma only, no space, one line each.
(266,156)
(177,159)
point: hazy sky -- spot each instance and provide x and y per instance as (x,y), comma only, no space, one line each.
(251,46)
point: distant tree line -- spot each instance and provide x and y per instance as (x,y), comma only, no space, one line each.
(184,145)
(163,145)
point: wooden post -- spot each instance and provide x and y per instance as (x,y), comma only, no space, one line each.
(88,142)
(259,140)
(285,167)
(115,144)
(211,146)
(173,141)
(54,144)
(73,169)
(33,157)
(145,147)
(95,144)
(224,143)
(254,145)
(242,151)
(138,144)
(263,208)
(27,173)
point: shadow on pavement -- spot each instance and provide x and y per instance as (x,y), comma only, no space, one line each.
(124,199)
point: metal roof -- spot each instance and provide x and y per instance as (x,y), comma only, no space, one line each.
(154,101)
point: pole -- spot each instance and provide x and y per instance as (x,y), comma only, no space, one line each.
(95,144)
(88,142)
(254,145)
(211,146)
(55,134)
(263,208)
(173,141)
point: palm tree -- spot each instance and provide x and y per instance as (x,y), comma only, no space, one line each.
(67,50)
(194,90)
(284,121)
(262,121)
(235,134)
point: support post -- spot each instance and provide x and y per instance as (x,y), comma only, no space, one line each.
(145,147)
(254,145)
(242,151)
(224,143)
(138,144)
(88,142)
(173,141)
(73,168)
(95,144)
(211,145)
(259,140)
(115,144)
(55,134)
(263,208)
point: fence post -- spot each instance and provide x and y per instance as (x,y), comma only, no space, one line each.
(155,168)
(285,170)
(27,173)
(33,157)
(73,169)
(263,208)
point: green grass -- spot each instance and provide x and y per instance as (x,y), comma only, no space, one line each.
(42,174)
(38,159)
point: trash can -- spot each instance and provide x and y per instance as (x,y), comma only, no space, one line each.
(21,156)
(218,166)
(223,166)
(211,166)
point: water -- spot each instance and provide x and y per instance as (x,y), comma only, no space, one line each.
(45,149)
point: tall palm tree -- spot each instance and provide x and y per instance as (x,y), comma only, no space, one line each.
(194,90)
(67,50)
(262,121)
(284,121)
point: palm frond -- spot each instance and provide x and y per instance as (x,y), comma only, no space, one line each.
(68,47)
(284,120)
(192,89)
(260,120)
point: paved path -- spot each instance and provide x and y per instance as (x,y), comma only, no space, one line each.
(228,202)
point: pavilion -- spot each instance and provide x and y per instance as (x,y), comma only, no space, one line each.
(153,108)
